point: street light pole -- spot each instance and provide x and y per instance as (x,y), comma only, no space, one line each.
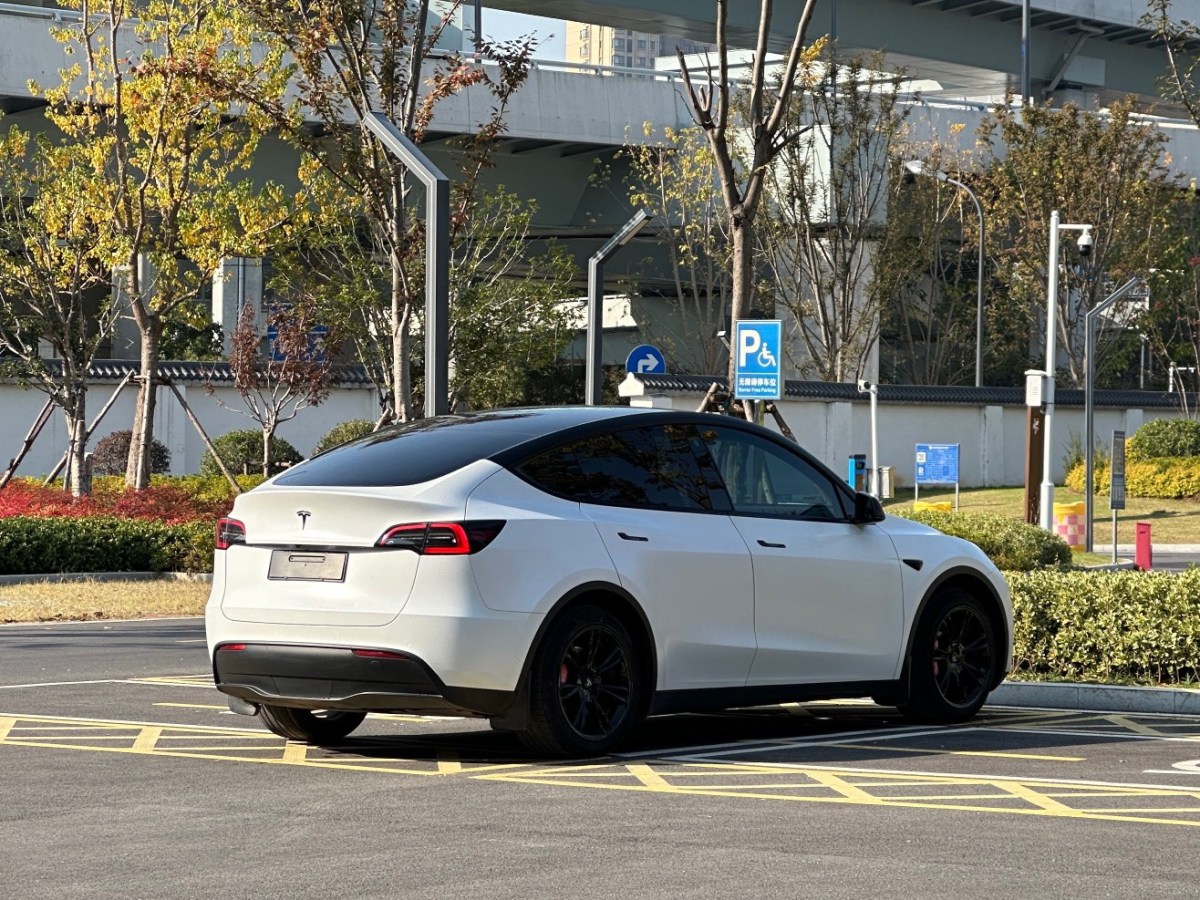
(917,167)
(1046,495)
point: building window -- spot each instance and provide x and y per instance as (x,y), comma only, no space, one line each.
(641,61)
(641,44)
(584,32)
(618,43)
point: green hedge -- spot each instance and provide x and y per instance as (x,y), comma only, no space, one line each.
(1107,626)
(242,451)
(1165,478)
(1009,543)
(45,545)
(1165,437)
(342,432)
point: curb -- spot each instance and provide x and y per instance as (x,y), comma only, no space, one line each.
(1097,697)
(64,577)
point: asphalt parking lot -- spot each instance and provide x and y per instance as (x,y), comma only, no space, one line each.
(125,776)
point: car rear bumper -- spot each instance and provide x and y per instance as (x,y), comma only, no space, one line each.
(314,677)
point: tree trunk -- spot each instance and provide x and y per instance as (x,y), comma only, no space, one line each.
(742,287)
(76,416)
(137,471)
(267,432)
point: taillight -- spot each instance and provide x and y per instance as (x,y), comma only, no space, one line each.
(230,531)
(442,538)
(231,648)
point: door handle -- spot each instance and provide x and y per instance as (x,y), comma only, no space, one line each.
(763,543)
(631,537)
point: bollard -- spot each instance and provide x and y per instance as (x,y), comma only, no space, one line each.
(1143,555)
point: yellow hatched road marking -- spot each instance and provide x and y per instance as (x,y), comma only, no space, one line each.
(222,707)
(843,787)
(649,777)
(1136,727)
(694,778)
(147,739)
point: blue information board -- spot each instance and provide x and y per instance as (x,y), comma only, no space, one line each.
(937,463)
(758,352)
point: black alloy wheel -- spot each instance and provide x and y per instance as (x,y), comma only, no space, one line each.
(962,655)
(954,658)
(585,686)
(595,677)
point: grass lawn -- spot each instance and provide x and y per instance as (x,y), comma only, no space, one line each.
(88,600)
(1171,521)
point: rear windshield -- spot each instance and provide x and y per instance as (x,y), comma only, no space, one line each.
(413,453)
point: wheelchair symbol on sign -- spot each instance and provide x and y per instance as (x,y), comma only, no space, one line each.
(766,358)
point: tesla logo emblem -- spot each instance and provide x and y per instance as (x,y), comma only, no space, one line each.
(303,514)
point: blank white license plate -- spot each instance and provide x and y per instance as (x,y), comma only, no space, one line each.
(294,565)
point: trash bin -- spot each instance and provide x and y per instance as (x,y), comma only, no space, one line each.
(1070,523)
(935,505)
(887,482)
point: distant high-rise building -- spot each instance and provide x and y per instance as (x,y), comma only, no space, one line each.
(603,45)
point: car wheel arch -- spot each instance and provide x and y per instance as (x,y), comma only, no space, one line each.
(620,603)
(967,579)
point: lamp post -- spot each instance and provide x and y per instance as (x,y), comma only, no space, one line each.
(917,167)
(1046,497)
(595,317)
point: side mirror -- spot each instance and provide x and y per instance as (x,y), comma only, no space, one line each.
(867,509)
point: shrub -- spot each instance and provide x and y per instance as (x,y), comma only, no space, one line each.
(342,432)
(32,545)
(1009,543)
(1164,437)
(167,500)
(1107,626)
(242,454)
(1172,478)
(112,453)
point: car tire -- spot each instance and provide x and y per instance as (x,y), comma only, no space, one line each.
(314,727)
(954,658)
(585,686)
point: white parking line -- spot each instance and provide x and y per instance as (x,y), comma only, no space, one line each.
(6,687)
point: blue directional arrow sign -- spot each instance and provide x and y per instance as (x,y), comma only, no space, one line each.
(758,352)
(646,359)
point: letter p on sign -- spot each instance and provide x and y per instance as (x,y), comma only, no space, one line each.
(749,343)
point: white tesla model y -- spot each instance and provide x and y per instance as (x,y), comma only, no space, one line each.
(567,571)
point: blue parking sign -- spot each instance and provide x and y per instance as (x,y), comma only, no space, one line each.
(758,352)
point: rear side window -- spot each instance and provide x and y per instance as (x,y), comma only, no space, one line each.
(651,468)
(413,453)
(557,472)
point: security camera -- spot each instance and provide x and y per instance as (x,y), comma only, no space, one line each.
(863,386)
(1085,243)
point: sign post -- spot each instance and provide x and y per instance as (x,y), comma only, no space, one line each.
(937,464)
(1116,484)
(758,369)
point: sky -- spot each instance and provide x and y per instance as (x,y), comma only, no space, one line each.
(499,25)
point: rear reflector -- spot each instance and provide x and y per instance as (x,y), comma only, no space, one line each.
(230,531)
(379,654)
(231,648)
(442,538)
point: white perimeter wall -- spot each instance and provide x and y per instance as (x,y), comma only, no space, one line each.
(991,439)
(19,408)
